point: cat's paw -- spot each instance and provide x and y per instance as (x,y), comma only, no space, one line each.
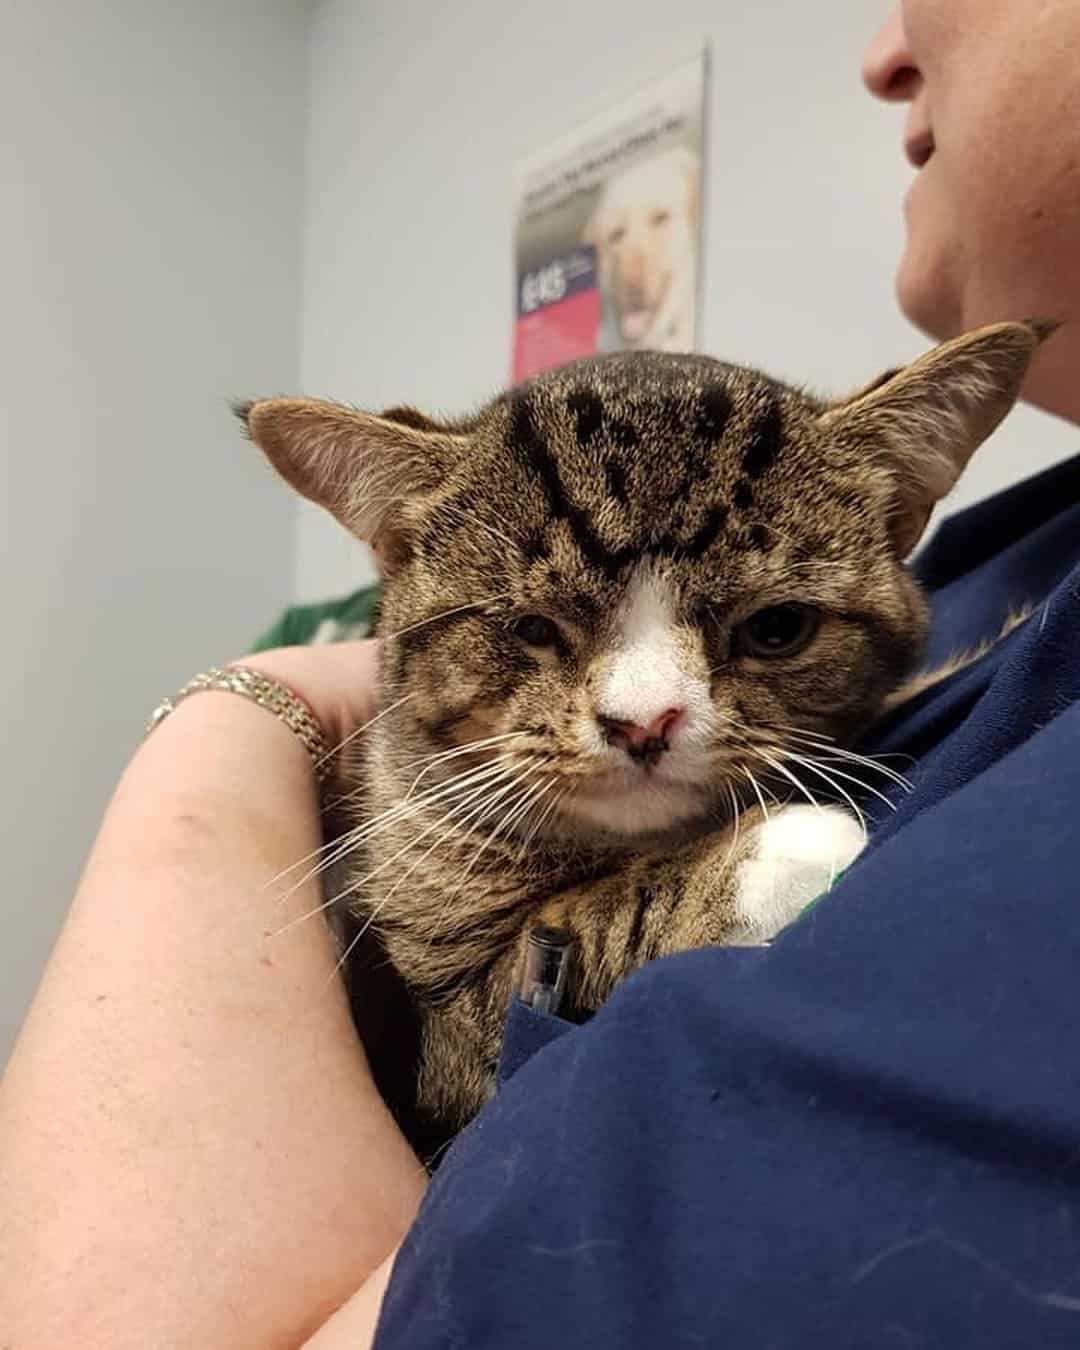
(796,856)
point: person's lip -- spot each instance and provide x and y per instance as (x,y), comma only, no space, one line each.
(919,146)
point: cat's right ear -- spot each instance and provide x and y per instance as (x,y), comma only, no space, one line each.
(921,424)
(361,467)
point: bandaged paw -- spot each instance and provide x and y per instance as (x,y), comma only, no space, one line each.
(798,853)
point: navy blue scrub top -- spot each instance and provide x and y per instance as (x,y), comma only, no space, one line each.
(867,1134)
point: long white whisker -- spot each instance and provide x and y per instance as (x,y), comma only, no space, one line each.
(348,842)
(318,764)
(539,822)
(337,749)
(736,813)
(468,784)
(448,817)
(483,811)
(494,804)
(757,792)
(786,773)
(344,957)
(807,764)
(514,809)
(867,761)
(407,804)
(521,779)
(444,614)
(473,747)
(454,822)
(500,767)
(535,793)
(387,862)
(438,758)
(810,762)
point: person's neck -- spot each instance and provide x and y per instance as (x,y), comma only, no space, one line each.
(1053,383)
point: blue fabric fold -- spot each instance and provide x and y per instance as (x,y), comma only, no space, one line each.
(526,1032)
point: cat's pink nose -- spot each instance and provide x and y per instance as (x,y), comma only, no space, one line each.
(641,742)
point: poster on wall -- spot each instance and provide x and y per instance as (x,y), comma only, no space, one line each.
(608,228)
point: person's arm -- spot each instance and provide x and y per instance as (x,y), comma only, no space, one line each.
(352,1327)
(192,1150)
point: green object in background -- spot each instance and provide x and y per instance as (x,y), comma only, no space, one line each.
(340,620)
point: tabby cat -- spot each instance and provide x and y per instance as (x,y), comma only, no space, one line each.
(634,610)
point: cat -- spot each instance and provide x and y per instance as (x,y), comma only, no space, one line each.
(634,612)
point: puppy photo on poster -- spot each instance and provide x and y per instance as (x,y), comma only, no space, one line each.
(608,227)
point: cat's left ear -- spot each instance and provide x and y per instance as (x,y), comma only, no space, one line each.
(364,468)
(923,422)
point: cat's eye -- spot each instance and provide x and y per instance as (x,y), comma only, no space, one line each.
(535,630)
(779,630)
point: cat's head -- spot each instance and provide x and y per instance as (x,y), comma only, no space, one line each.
(646,586)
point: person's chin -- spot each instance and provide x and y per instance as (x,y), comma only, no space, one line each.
(926,286)
(925,294)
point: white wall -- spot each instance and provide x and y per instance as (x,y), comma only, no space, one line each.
(151,196)
(419,111)
(150,169)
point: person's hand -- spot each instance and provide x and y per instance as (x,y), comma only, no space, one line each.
(338,681)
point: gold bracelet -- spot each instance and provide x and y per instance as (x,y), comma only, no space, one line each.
(275,697)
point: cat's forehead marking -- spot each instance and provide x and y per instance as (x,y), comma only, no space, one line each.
(615,473)
(531,445)
(593,419)
(703,411)
(652,433)
(587,411)
(713,412)
(765,437)
(757,539)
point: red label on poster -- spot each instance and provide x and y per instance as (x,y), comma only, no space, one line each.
(556,334)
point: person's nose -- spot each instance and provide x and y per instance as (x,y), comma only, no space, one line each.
(889,70)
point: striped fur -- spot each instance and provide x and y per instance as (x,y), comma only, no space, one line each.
(641,508)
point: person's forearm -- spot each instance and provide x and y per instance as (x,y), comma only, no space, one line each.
(353,1326)
(192,1152)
